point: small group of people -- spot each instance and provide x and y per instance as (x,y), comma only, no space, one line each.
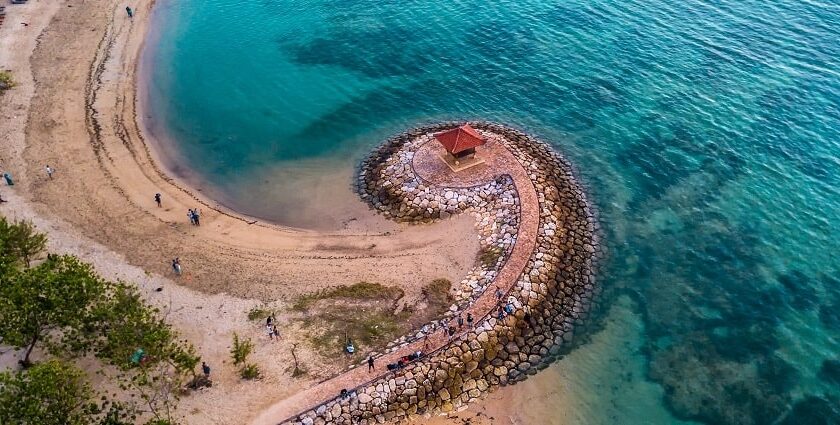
(195,216)
(271,327)
(176,265)
(402,362)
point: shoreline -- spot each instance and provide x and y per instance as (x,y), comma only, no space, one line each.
(131,166)
(98,208)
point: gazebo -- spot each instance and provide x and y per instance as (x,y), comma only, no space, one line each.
(460,144)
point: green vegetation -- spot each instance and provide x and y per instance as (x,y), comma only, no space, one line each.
(489,255)
(48,393)
(250,371)
(239,352)
(63,307)
(362,291)
(363,312)
(19,243)
(6,81)
(259,313)
(48,305)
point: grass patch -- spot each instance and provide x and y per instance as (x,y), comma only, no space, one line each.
(6,81)
(258,313)
(489,255)
(437,294)
(367,328)
(362,291)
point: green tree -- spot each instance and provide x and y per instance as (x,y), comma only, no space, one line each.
(53,296)
(49,393)
(20,243)
(122,327)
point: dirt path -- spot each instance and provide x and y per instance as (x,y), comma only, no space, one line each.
(503,163)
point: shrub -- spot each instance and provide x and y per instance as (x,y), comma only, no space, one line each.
(258,313)
(250,371)
(6,81)
(241,349)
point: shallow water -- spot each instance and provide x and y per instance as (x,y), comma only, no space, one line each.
(707,131)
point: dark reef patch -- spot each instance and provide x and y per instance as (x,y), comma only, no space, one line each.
(813,410)
(830,371)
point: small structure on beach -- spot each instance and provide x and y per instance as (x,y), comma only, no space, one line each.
(460,144)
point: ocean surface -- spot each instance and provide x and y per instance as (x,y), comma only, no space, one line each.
(708,133)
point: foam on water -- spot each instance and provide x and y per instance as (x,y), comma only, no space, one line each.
(708,132)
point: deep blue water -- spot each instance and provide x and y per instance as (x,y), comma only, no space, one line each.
(707,131)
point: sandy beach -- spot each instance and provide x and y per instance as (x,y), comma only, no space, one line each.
(75,108)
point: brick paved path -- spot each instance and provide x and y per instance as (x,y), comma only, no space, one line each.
(502,162)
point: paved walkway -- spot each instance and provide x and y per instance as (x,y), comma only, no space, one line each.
(504,163)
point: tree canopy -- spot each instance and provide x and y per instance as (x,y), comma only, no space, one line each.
(62,305)
(47,393)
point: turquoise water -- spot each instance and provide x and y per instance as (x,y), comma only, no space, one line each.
(707,131)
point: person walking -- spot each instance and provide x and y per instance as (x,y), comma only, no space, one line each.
(205,369)
(157,199)
(191,215)
(370,363)
(8,178)
(50,171)
(176,266)
(129,12)
(470,320)
(460,322)
(196,217)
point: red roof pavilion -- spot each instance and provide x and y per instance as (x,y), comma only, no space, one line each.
(458,140)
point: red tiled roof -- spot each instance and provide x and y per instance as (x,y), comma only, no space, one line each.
(459,139)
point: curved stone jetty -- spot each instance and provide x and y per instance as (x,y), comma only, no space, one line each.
(539,252)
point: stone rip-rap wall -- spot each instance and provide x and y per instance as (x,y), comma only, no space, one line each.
(554,295)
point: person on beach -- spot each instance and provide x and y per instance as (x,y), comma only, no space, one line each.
(205,369)
(370,363)
(8,178)
(50,171)
(191,215)
(129,12)
(176,266)
(460,322)
(270,329)
(157,199)
(197,217)
(276,332)
(470,320)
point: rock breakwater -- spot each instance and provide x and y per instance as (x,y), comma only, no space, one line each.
(535,284)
